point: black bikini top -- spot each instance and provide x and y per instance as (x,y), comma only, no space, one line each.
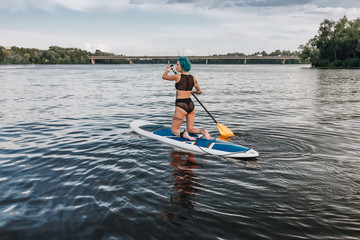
(186,83)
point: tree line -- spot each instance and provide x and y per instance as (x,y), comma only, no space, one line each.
(54,55)
(337,45)
(276,53)
(59,55)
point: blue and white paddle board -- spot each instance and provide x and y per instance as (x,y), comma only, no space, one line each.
(200,145)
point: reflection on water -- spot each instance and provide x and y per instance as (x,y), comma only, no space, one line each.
(337,96)
(185,186)
(248,163)
(185,179)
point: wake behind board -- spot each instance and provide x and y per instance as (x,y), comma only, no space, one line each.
(200,145)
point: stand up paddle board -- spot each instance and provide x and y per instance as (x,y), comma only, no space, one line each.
(200,145)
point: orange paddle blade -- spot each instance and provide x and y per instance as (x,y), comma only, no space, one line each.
(225,131)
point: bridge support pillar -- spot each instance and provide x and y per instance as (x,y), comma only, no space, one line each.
(245,61)
(283,61)
(168,61)
(207,61)
(92,61)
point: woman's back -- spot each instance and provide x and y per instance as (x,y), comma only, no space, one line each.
(184,86)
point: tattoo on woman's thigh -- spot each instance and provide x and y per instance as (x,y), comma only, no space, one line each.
(177,119)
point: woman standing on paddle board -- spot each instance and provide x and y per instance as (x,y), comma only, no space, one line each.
(184,106)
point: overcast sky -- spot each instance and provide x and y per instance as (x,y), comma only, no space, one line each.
(168,27)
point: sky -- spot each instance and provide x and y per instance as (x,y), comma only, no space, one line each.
(168,27)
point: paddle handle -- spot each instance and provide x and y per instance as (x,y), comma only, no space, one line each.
(173,69)
(204,108)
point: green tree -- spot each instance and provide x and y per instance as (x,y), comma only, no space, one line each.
(336,45)
(276,53)
(350,39)
(2,55)
(326,40)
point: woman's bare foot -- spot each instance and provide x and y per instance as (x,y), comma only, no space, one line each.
(206,134)
(186,135)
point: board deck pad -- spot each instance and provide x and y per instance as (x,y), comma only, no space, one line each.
(202,142)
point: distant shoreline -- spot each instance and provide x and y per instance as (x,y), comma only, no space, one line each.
(59,55)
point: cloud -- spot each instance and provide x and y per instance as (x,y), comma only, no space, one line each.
(115,5)
(52,5)
(167,26)
(22,5)
(335,13)
(337,4)
(97,46)
(273,3)
(264,3)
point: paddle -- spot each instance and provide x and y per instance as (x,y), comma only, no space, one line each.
(224,131)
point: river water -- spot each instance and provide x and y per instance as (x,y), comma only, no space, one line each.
(71,168)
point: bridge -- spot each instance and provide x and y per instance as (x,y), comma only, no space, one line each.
(205,58)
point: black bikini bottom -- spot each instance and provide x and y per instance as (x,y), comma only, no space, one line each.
(186,104)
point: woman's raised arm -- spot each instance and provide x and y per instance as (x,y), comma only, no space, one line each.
(168,77)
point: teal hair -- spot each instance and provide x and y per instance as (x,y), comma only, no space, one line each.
(185,64)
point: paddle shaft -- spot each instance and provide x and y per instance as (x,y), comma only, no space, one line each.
(204,107)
